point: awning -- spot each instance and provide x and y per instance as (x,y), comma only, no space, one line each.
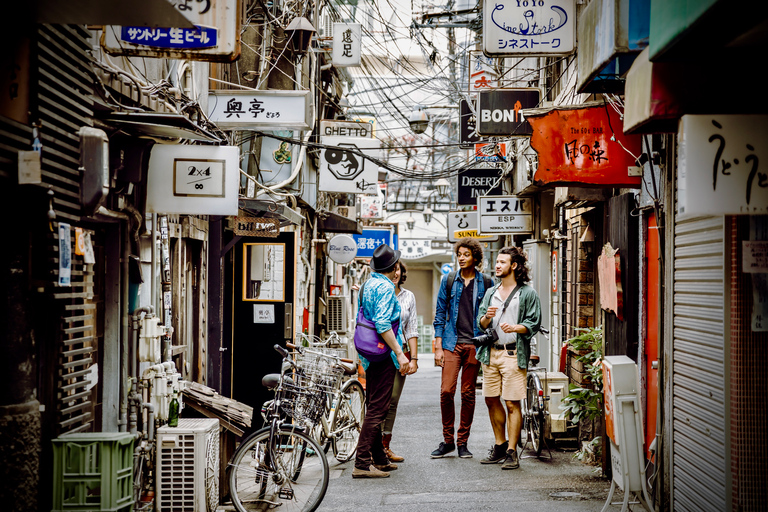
(329,222)
(144,13)
(158,124)
(272,210)
(611,34)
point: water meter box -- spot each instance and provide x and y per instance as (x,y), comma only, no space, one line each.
(623,423)
(93,471)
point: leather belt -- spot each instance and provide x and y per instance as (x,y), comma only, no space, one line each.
(508,346)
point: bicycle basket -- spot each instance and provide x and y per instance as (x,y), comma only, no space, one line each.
(303,405)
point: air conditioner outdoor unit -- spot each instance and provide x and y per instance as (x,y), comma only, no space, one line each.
(187,477)
(336,313)
(326,27)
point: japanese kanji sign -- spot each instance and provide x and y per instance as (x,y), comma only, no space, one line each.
(584,146)
(346,44)
(719,169)
(371,239)
(529,27)
(482,73)
(215,36)
(505,214)
(254,110)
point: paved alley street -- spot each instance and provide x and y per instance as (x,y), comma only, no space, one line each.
(453,484)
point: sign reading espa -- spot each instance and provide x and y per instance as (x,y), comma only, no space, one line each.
(505,214)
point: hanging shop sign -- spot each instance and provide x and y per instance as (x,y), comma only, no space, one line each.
(214,35)
(474,183)
(329,128)
(586,146)
(255,226)
(505,214)
(344,167)
(371,239)
(492,152)
(609,278)
(468,136)
(347,39)
(464,225)
(342,249)
(371,207)
(258,110)
(201,180)
(529,27)
(499,112)
(482,72)
(415,248)
(719,170)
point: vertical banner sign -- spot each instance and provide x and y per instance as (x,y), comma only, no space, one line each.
(346,44)
(529,27)
(468,136)
(482,73)
(722,169)
(65,254)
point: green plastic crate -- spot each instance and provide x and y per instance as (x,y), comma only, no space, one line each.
(93,472)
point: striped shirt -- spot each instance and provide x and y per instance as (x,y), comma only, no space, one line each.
(408,322)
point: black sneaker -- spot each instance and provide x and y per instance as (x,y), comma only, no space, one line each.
(496,454)
(511,461)
(443,450)
(464,453)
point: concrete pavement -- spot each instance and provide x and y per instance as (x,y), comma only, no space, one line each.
(450,484)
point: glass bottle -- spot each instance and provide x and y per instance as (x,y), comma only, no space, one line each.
(173,412)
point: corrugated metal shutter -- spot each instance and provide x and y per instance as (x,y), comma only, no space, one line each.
(698,396)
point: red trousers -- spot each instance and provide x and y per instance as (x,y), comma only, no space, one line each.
(461,359)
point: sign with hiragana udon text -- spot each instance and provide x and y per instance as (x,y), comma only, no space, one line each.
(257,110)
(719,165)
(529,27)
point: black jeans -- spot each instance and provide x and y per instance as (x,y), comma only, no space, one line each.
(379,380)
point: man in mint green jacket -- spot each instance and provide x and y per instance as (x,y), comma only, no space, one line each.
(513,311)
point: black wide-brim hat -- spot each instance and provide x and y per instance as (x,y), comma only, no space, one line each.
(383,258)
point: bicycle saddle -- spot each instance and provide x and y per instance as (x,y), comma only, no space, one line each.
(349,368)
(271,380)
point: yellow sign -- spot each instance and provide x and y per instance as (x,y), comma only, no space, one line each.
(470,233)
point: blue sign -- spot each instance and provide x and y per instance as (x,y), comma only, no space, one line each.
(172,38)
(371,239)
(446,268)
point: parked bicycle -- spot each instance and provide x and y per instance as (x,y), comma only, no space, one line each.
(344,406)
(281,465)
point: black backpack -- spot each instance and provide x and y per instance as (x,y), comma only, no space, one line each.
(452,277)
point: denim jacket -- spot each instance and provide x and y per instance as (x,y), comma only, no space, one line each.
(447,308)
(380,305)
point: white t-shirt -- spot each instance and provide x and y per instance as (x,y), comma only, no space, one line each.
(509,316)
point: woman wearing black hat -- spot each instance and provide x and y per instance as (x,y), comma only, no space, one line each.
(379,304)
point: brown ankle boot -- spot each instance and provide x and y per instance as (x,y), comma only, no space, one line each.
(385,439)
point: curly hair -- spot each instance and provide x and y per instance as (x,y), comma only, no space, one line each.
(403,272)
(474,246)
(518,256)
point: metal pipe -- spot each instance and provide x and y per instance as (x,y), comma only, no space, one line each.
(124,355)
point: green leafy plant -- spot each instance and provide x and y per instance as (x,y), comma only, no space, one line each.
(586,402)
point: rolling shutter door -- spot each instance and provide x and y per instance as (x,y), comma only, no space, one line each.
(698,394)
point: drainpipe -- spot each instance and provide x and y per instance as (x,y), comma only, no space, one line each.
(312,298)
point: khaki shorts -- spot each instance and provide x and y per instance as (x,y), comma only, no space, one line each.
(502,377)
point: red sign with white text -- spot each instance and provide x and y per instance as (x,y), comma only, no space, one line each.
(575,148)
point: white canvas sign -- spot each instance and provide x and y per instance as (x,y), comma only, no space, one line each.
(346,44)
(202,180)
(344,168)
(258,110)
(719,170)
(529,27)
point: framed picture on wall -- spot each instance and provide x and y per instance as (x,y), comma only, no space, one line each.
(264,272)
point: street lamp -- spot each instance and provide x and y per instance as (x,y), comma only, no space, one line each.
(411,223)
(300,31)
(428,214)
(442,187)
(419,120)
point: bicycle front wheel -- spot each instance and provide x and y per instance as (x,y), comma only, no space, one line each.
(291,472)
(534,416)
(348,421)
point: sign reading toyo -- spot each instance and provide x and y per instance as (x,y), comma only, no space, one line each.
(342,249)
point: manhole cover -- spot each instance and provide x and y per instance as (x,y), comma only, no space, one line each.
(564,494)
